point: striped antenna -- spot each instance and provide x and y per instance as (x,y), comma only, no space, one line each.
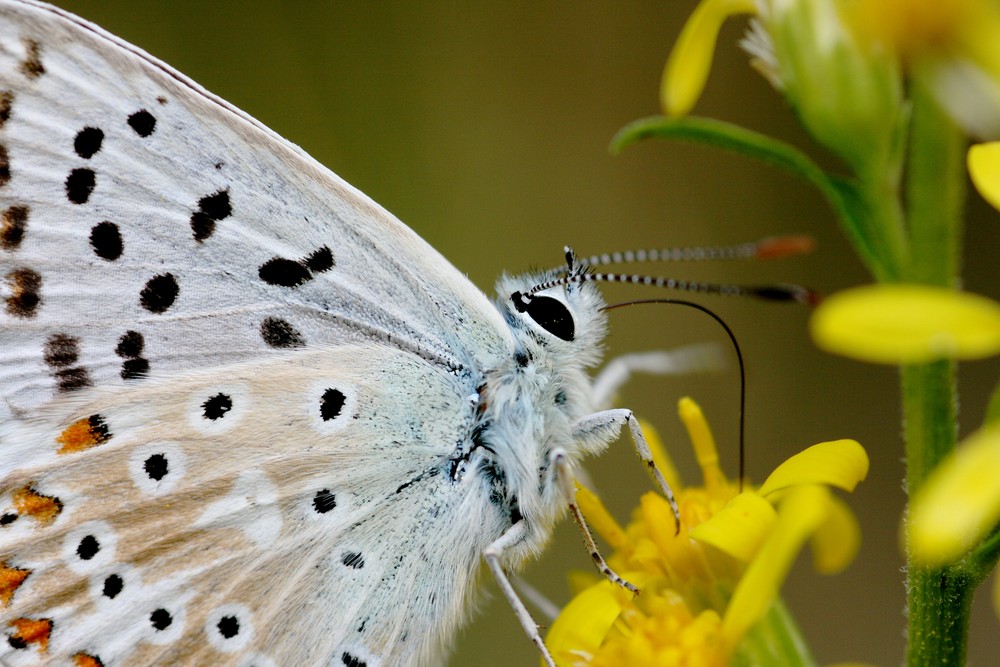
(773,247)
(776,292)
(769,248)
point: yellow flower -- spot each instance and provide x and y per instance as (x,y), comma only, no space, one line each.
(691,59)
(952,45)
(907,324)
(983,161)
(847,94)
(959,503)
(704,588)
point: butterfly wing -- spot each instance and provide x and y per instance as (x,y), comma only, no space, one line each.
(183,293)
(211,518)
(149,226)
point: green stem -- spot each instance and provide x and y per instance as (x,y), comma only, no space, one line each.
(774,640)
(885,226)
(939,627)
(935,193)
(938,600)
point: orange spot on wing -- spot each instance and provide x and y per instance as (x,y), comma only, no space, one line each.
(10,579)
(86,660)
(29,502)
(83,434)
(31,631)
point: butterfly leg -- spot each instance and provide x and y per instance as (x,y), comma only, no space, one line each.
(493,555)
(559,464)
(604,426)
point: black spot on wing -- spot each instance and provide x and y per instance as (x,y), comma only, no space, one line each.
(331,403)
(217,406)
(202,226)
(156,467)
(32,66)
(129,348)
(60,353)
(88,142)
(142,122)
(130,345)
(228,626)
(88,547)
(6,104)
(4,166)
(106,240)
(283,272)
(216,206)
(352,559)
(61,350)
(352,661)
(71,379)
(80,184)
(24,286)
(320,260)
(211,209)
(160,619)
(134,368)
(324,501)
(99,428)
(278,333)
(113,585)
(13,223)
(159,293)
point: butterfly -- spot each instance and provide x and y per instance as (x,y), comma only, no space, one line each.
(248,417)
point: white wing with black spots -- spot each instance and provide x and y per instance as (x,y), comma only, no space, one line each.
(148,226)
(246,416)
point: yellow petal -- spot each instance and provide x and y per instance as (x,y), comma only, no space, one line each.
(739,528)
(658,518)
(907,324)
(599,518)
(691,58)
(801,511)
(836,542)
(984,167)
(703,442)
(959,502)
(583,623)
(839,463)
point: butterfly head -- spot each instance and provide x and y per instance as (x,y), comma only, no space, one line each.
(557,311)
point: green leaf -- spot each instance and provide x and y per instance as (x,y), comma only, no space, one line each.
(724,135)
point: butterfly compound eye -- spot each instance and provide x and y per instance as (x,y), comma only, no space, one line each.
(548,313)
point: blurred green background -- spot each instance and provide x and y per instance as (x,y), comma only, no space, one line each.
(484,126)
